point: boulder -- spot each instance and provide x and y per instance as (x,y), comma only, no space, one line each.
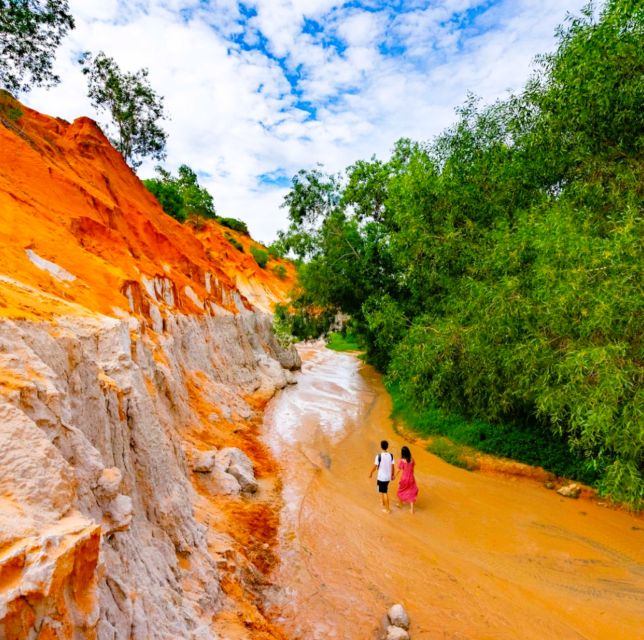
(398,616)
(570,490)
(396,633)
(236,463)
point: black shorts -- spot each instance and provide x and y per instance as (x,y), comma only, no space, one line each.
(383,486)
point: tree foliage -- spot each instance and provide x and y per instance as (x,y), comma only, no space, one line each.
(30,33)
(496,272)
(135,109)
(181,196)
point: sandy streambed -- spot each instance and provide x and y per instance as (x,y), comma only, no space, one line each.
(484,557)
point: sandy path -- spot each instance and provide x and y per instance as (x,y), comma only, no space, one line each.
(484,557)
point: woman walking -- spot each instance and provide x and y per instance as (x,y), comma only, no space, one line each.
(407,487)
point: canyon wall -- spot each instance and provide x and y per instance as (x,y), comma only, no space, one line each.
(130,347)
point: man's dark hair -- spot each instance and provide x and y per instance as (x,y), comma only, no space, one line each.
(384,445)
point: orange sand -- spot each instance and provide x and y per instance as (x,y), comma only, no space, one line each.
(485,556)
(67,196)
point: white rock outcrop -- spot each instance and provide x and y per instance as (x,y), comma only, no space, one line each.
(96,501)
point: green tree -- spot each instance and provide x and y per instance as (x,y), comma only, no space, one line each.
(495,273)
(30,33)
(135,109)
(181,197)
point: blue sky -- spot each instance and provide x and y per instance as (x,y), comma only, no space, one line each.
(257,90)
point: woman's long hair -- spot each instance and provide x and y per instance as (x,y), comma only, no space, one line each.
(405,454)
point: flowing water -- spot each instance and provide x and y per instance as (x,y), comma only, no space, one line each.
(483,557)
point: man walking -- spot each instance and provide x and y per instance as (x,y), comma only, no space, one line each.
(384,463)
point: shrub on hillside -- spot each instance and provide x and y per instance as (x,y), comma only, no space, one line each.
(233,223)
(260,256)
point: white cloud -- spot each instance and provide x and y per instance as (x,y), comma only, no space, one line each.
(257,96)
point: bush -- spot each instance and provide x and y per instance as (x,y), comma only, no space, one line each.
(275,251)
(238,245)
(280,271)
(509,440)
(233,223)
(260,256)
(9,107)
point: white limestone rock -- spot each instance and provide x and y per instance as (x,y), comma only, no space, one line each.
(109,482)
(570,490)
(396,633)
(398,617)
(92,425)
(119,513)
(204,461)
(236,463)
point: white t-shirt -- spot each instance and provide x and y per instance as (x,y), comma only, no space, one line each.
(386,462)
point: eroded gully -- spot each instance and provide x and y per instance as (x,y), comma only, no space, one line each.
(484,557)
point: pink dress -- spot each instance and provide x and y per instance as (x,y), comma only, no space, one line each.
(407,487)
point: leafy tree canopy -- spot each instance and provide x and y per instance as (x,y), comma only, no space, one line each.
(30,33)
(496,271)
(135,109)
(181,196)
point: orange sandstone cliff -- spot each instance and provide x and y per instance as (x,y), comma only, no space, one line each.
(136,355)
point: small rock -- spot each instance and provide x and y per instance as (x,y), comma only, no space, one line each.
(110,481)
(220,483)
(204,462)
(549,485)
(235,462)
(570,491)
(398,616)
(120,512)
(396,633)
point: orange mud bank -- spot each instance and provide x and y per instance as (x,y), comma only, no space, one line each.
(484,557)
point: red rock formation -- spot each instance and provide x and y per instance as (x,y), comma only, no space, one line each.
(128,343)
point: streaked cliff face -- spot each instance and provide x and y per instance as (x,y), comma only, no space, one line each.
(129,345)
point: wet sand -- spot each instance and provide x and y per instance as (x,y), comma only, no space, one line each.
(484,557)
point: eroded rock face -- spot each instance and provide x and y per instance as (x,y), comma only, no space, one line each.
(127,340)
(95,490)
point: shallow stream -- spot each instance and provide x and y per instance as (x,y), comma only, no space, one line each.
(484,556)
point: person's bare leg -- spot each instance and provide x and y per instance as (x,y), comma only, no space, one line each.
(411,507)
(385,503)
